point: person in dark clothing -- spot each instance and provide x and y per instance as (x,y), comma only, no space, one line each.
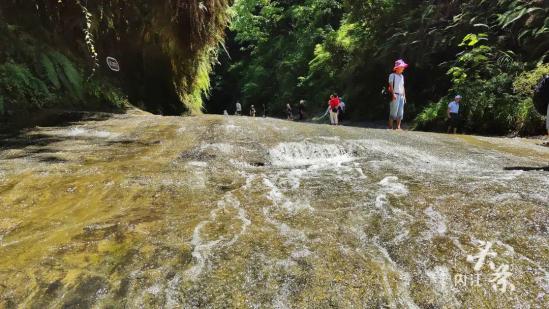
(541,99)
(301,110)
(341,109)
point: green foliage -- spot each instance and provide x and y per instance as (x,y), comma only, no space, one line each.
(489,106)
(50,71)
(106,95)
(61,71)
(166,48)
(35,75)
(525,83)
(305,49)
(19,84)
(283,39)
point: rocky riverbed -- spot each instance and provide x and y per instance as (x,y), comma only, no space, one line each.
(232,212)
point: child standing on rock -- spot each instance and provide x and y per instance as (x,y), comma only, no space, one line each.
(398,94)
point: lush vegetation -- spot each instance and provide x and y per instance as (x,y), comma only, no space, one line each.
(52,53)
(34,75)
(490,51)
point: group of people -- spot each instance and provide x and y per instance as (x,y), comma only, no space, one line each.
(397,100)
(238,110)
(300,111)
(397,92)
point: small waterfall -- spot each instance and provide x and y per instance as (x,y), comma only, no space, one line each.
(311,154)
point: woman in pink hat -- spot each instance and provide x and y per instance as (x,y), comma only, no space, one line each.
(398,94)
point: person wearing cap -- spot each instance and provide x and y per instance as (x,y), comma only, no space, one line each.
(453,114)
(398,94)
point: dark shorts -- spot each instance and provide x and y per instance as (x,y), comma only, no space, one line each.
(454,120)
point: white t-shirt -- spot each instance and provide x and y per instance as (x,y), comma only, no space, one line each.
(398,82)
(453,107)
(238,107)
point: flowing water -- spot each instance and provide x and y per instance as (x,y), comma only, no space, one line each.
(143,211)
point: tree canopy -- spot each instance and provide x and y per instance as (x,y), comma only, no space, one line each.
(284,51)
(278,52)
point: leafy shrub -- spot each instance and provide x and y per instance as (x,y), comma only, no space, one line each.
(106,95)
(20,85)
(34,75)
(62,73)
(526,81)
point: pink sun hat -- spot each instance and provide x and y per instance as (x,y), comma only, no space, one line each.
(400,64)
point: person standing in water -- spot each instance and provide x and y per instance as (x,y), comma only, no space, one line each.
(301,109)
(341,109)
(238,111)
(453,114)
(398,94)
(289,112)
(334,109)
(252,111)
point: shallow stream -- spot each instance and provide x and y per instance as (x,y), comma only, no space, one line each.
(232,212)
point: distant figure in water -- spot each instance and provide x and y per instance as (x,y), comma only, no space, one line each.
(264,111)
(301,110)
(238,111)
(289,112)
(334,109)
(398,94)
(341,110)
(225,113)
(453,114)
(252,111)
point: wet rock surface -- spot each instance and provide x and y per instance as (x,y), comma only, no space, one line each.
(221,212)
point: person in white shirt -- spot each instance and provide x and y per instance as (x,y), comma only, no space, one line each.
(238,109)
(398,94)
(453,114)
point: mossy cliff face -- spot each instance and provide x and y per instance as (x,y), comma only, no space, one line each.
(165,50)
(149,211)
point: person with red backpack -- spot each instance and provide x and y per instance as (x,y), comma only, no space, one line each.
(334,109)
